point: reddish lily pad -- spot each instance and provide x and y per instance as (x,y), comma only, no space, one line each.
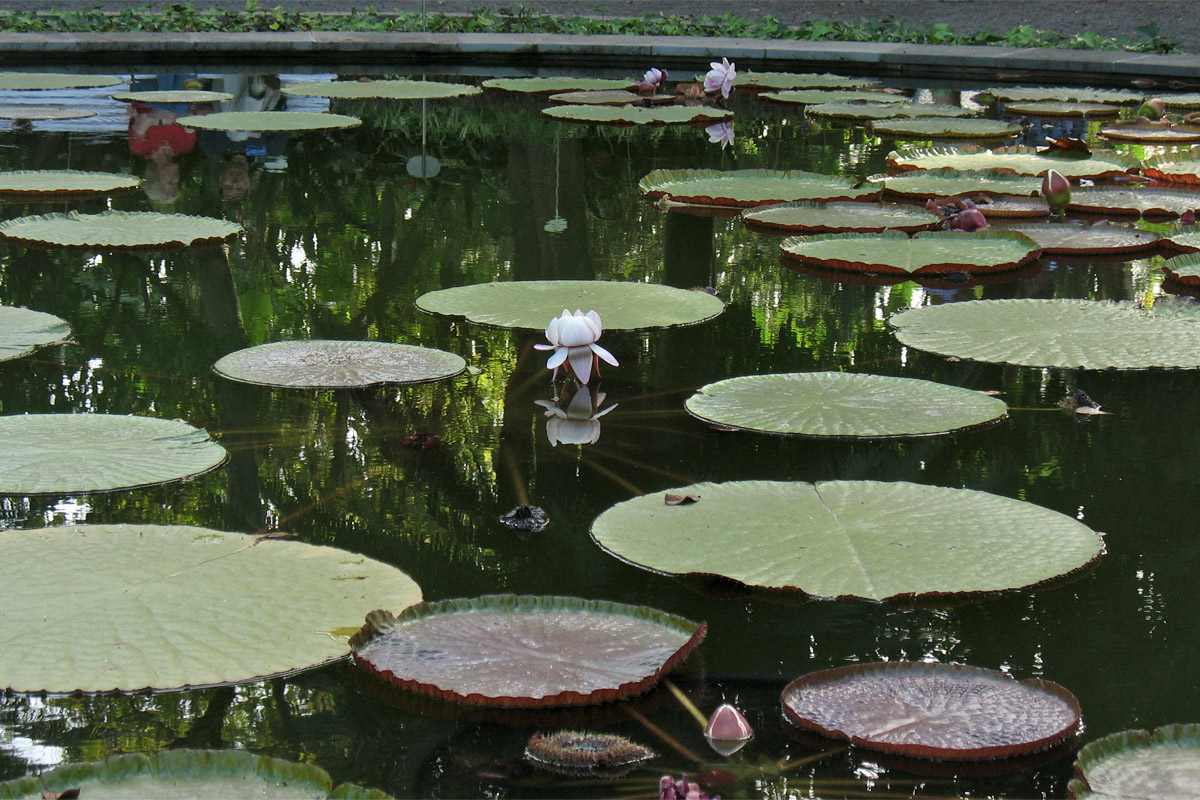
(1185,268)
(637,115)
(1058,108)
(118,230)
(747,188)
(798,80)
(816,218)
(1178,167)
(930,710)
(872,111)
(923,253)
(1138,764)
(945,128)
(1064,238)
(61,184)
(523,651)
(948,183)
(1133,202)
(1019,159)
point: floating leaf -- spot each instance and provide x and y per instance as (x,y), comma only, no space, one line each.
(817,96)
(930,710)
(22,331)
(37,81)
(609,97)
(384,90)
(1058,108)
(129,607)
(1074,334)
(532,304)
(1181,101)
(522,651)
(928,252)
(945,129)
(1064,238)
(1007,207)
(34,112)
(36,184)
(75,453)
(1138,764)
(269,121)
(637,115)
(1019,160)
(1185,268)
(749,187)
(1064,93)
(1186,239)
(582,753)
(952,183)
(870,111)
(174,96)
(330,364)
(1133,202)
(813,218)
(798,80)
(1151,134)
(842,404)
(552,85)
(1176,167)
(117,230)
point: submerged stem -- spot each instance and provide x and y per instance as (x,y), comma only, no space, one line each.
(686,703)
(666,737)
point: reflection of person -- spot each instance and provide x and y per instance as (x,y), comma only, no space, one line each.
(155,135)
(234,182)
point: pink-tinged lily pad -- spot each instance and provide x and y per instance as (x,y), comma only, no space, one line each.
(557,84)
(798,80)
(930,710)
(945,129)
(874,111)
(1133,202)
(1065,238)
(815,218)
(812,97)
(523,651)
(1138,764)
(747,188)
(947,183)
(1018,159)
(61,184)
(1185,268)
(1176,167)
(637,115)
(1057,108)
(118,230)
(1152,133)
(931,252)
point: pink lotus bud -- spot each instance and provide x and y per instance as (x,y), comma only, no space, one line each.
(655,76)
(646,87)
(932,206)
(1056,189)
(727,730)
(1188,217)
(971,219)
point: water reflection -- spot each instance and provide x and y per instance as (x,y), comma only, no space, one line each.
(579,421)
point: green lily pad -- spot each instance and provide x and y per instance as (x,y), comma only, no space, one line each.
(532,304)
(814,218)
(385,90)
(945,128)
(1019,160)
(949,183)
(117,230)
(1061,93)
(1007,206)
(1074,334)
(864,539)
(186,775)
(1181,101)
(174,96)
(1064,238)
(798,80)
(34,112)
(1058,108)
(1152,133)
(1138,764)
(1133,202)
(22,331)
(749,187)
(603,97)
(523,651)
(873,111)
(1185,268)
(557,84)
(842,404)
(929,252)
(931,710)
(327,364)
(1175,167)
(1186,239)
(637,115)
(75,453)
(129,607)
(30,184)
(37,81)
(812,97)
(269,121)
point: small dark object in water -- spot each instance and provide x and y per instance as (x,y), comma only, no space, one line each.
(421,441)
(705,290)
(1079,402)
(526,518)
(957,277)
(579,753)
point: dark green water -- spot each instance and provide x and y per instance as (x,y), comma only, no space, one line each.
(340,243)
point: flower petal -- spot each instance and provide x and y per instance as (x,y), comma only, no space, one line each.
(559,356)
(607,356)
(581,362)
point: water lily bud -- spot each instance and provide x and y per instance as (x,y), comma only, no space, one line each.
(1153,108)
(971,219)
(1056,189)
(1188,217)
(654,76)
(727,730)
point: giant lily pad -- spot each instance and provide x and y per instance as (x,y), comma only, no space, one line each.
(185,774)
(385,90)
(952,183)
(128,607)
(1134,765)
(552,85)
(862,539)
(174,96)
(1151,134)
(1077,334)
(929,710)
(331,364)
(22,331)
(34,112)
(945,128)
(117,230)
(929,252)
(1185,268)
(637,115)
(603,97)
(1181,101)
(1017,159)
(269,121)
(798,80)
(1133,202)
(1176,167)
(807,97)
(37,81)
(1058,108)
(1185,239)
(1064,238)
(63,183)
(842,404)
(520,651)
(532,304)
(73,453)
(872,111)
(749,187)
(1060,93)
(813,218)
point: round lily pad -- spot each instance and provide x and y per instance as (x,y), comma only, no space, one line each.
(1065,238)
(34,112)
(385,90)
(174,96)
(1176,167)
(532,304)
(1185,268)
(75,453)
(1059,108)
(930,710)
(1010,207)
(929,252)
(1133,202)
(269,121)
(750,187)
(62,183)
(945,128)
(842,404)
(874,111)
(129,607)
(948,183)
(117,230)
(1075,334)
(1018,159)
(22,331)
(1182,100)
(557,84)
(522,651)
(1152,133)
(1186,239)
(637,115)
(807,97)
(864,539)
(798,80)
(813,218)
(604,97)
(1064,93)
(329,364)
(36,81)
(1137,764)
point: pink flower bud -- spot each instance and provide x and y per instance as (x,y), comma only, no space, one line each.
(1056,189)
(1188,217)
(727,730)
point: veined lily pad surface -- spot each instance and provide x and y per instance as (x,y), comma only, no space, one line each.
(813,218)
(1058,108)
(23,330)
(118,230)
(76,453)
(798,80)
(871,111)
(36,81)
(928,252)
(1018,160)
(532,304)
(1061,93)
(155,606)
(63,183)
(294,121)
(1064,238)
(332,364)
(1076,334)
(1185,268)
(1134,202)
(384,90)
(1137,764)
(174,96)
(1182,101)
(637,115)
(842,404)
(1186,239)
(34,112)
(1177,167)
(551,85)
(952,183)
(603,97)
(945,128)
(749,187)
(807,97)
(523,651)
(930,710)
(1013,207)
(836,539)
(1152,134)
(187,775)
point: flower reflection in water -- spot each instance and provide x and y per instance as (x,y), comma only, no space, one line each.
(579,422)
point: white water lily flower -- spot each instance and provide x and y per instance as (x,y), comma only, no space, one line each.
(573,338)
(720,77)
(579,423)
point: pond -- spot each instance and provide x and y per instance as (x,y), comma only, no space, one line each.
(343,230)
